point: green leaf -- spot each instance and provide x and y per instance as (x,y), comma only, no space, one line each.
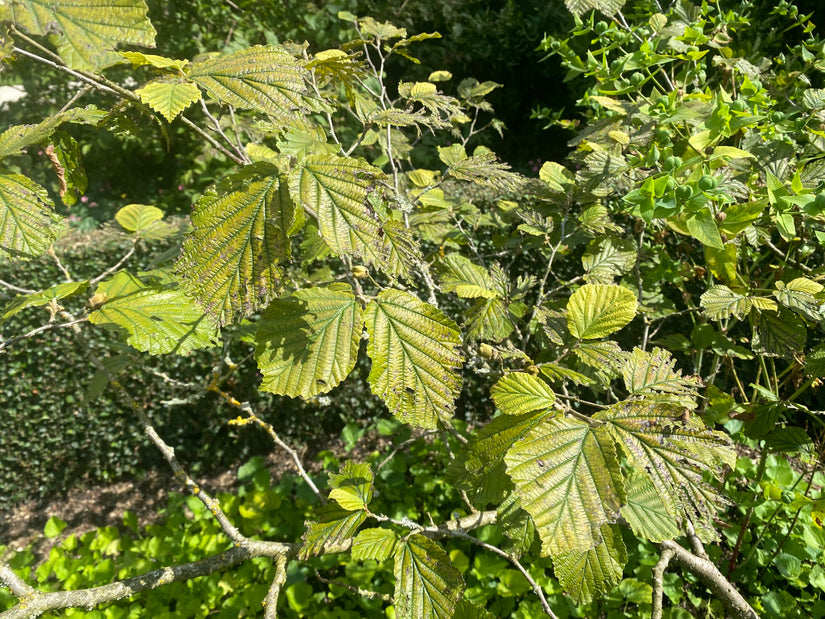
(352,486)
(157,320)
(65,153)
(307,343)
(87,30)
(607,257)
(567,476)
(488,319)
(139,59)
(263,78)
(332,525)
(781,334)
(482,472)
(415,356)
(647,373)
(466,279)
(719,302)
(138,217)
(376,544)
(799,295)
(482,168)
(645,511)
(674,449)
(557,177)
(580,7)
(401,248)
(28,223)
(427,586)
(44,297)
(517,525)
(16,138)
(518,393)
(588,573)
(169,98)
(230,259)
(606,357)
(702,227)
(597,310)
(335,190)
(54,527)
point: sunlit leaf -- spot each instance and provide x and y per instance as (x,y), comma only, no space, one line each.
(415,356)
(28,223)
(645,511)
(466,279)
(427,586)
(597,310)
(580,7)
(336,190)
(157,320)
(518,393)
(169,98)
(352,486)
(719,302)
(307,343)
(87,30)
(230,259)
(781,334)
(799,295)
(607,257)
(376,544)
(655,372)
(263,78)
(332,524)
(488,319)
(44,297)
(567,476)
(588,573)
(674,449)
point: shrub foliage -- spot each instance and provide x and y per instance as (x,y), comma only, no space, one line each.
(636,311)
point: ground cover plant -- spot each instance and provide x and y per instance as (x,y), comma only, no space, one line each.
(644,320)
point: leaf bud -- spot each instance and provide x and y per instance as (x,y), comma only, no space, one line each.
(533,370)
(97,300)
(360,272)
(486,351)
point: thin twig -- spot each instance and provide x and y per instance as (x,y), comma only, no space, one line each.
(14,288)
(373,595)
(118,264)
(659,581)
(52,325)
(271,599)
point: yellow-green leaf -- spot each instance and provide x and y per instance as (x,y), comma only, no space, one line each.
(466,279)
(157,320)
(332,524)
(28,223)
(307,343)
(588,573)
(139,59)
(44,297)
(87,30)
(375,544)
(645,511)
(567,476)
(230,259)
(518,393)
(427,586)
(597,310)
(138,217)
(169,98)
(263,78)
(336,190)
(416,359)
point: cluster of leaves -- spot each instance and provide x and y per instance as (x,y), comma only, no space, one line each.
(690,178)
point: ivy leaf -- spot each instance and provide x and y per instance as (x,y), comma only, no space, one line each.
(332,525)
(597,310)
(336,190)
(607,257)
(587,573)
(674,449)
(169,98)
(44,297)
(518,393)
(480,465)
(567,476)
(28,223)
(157,320)
(647,373)
(352,486)
(307,343)
(427,585)
(799,295)
(415,356)
(374,544)
(88,31)
(467,280)
(263,78)
(645,511)
(229,261)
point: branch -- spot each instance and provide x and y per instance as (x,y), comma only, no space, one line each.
(271,599)
(736,605)
(659,581)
